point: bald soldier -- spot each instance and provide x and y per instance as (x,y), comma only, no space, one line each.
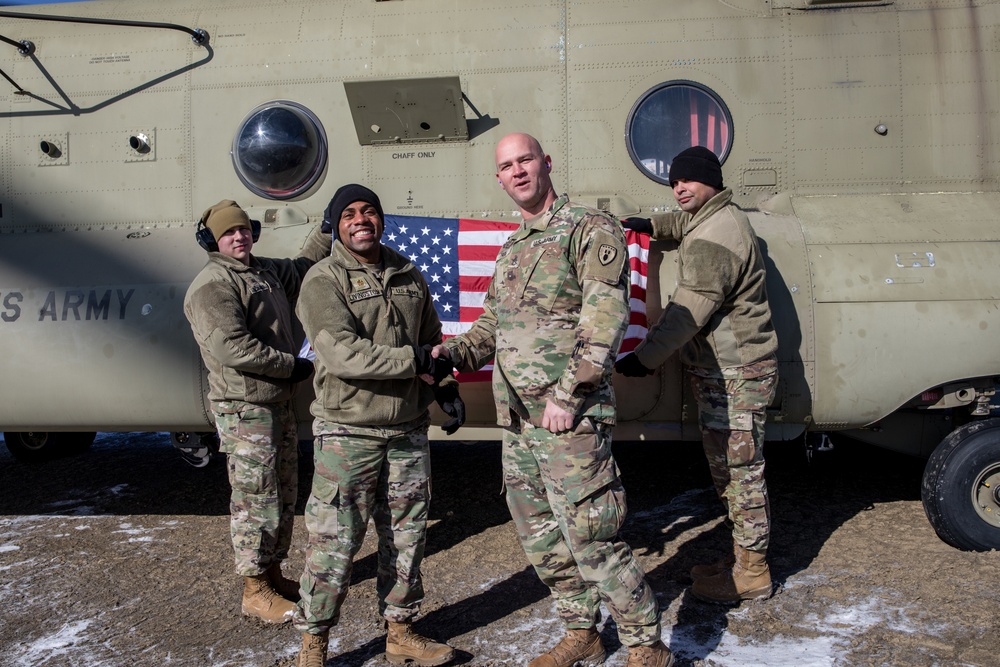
(554,317)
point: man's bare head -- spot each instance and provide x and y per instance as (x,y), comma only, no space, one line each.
(523,172)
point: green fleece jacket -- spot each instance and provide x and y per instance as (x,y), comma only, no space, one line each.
(241,317)
(718,315)
(363,329)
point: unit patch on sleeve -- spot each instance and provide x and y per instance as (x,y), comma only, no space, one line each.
(605,259)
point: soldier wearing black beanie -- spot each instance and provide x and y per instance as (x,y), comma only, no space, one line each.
(697,164)
(719,320)
(344,197)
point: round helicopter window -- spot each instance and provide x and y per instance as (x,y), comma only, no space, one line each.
(671,117)
(280,150)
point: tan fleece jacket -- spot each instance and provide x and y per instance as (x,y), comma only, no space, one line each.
(363,329)
(241,317)
(718,315)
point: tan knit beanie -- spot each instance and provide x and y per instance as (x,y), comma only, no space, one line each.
(224,216)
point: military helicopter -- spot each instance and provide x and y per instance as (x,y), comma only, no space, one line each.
(861,136)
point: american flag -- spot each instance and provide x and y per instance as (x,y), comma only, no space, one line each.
(457,256)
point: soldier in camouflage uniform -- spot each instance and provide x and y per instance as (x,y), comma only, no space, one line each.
(555,315)
(719,319)
(370,318)
(240,311)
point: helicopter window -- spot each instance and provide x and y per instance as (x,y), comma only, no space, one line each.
(280,150)
(671,117)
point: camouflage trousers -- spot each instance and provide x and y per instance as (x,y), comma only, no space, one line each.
(568,504)
(261,443)
(383,473)
(732,413)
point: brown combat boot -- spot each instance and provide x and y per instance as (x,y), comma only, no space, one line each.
(749,578)
(711,569)
(581,647)
(656,655)
(403,645)
(313,651)
(286,588)
(262,601)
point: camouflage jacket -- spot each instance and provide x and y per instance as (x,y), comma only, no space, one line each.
(363,329)
(241,317)
(718,315)
(554,316)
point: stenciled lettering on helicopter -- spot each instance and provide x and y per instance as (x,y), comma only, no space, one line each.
(413,154)
(70,304)
(12,306)
(97,307)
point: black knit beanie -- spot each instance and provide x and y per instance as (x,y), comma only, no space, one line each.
(344,197)
(697,164)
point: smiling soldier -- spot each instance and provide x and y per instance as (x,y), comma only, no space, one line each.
(370,317)
(555,315)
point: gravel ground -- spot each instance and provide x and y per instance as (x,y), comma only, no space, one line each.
(121,557)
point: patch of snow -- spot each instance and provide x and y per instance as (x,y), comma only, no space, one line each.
(67,645)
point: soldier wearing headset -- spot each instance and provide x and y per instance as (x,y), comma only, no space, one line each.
(240,310)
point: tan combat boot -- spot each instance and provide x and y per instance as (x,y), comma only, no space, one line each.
(313,651)
(581,647)
(656,655)
(262,601)
(403,645)
(286,588)
(711,569)
(749,578)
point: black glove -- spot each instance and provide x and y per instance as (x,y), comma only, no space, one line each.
(425,362)
(631,367)
(452,404)
(302,370)
(442,368)
(439,368)
(641,225)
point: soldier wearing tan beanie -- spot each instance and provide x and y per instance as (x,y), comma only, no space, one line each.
(240,310)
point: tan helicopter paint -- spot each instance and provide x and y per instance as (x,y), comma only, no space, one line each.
(864,138)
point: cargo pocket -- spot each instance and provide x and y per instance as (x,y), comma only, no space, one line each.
(323,509)
(742,450)
(245,539)
(739,425)
(600,505)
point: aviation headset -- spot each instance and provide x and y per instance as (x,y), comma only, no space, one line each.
(206,239)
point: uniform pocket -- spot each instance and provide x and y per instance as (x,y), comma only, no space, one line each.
(600,503)
(330,395)
(611,510)
(325,490)
(323,508)
(543,281)
(727,420)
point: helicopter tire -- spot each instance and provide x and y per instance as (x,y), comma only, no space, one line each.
(41,446)
(961,487)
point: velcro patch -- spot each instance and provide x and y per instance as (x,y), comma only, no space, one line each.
(605,258)
(367,294)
